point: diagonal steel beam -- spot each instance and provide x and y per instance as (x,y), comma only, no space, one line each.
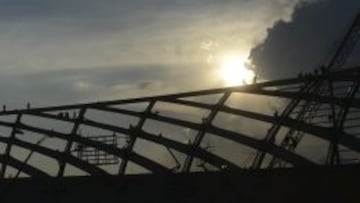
(237,137)
(26,168)
(355,103)
(9,145)
(133,136)
(83,165)
(200,153)
(321,132)
(142,161)
(69,143)
(207,122)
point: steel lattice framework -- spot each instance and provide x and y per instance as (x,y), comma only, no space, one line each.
(128,120)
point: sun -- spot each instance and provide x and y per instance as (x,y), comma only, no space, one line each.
(233,70)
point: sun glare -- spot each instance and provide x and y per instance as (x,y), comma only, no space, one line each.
(233,70)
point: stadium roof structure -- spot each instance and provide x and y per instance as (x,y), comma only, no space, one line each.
(208,130)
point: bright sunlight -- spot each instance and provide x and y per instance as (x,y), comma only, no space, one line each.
(233,70)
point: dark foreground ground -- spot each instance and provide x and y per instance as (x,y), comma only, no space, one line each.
(322,184)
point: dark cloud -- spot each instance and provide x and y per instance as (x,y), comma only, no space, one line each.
(307,41)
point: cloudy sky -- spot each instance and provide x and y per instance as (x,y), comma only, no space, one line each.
(57,52)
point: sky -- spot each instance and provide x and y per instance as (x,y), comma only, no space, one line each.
(61,52)
(90,50)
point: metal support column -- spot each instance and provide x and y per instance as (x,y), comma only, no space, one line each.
(206,123)
(9,145)
(69,143)
(333,156)
(133,136)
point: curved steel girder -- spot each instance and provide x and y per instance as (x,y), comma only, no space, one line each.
(256,89)
(186,149)
(26,168)
(252,88)
(83,165)
(136,158)
(265,146)
(277,151)
(321,132)
(196,152)
(355,103)
(244,89)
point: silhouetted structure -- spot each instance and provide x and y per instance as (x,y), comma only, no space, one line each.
(344,96)
(309,111)
(324,106)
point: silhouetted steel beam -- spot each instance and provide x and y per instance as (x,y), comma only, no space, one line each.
(259,89)
(186,149)
(276,151)
(196,152)
(69,143)
(26,168)
(339,120)
(355,103)
(240,138)
(336,75)
(201,133)
(147,99)
(133,136)
(83,165)
(321,132)
(9,145)
(347,44)
(140,160)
